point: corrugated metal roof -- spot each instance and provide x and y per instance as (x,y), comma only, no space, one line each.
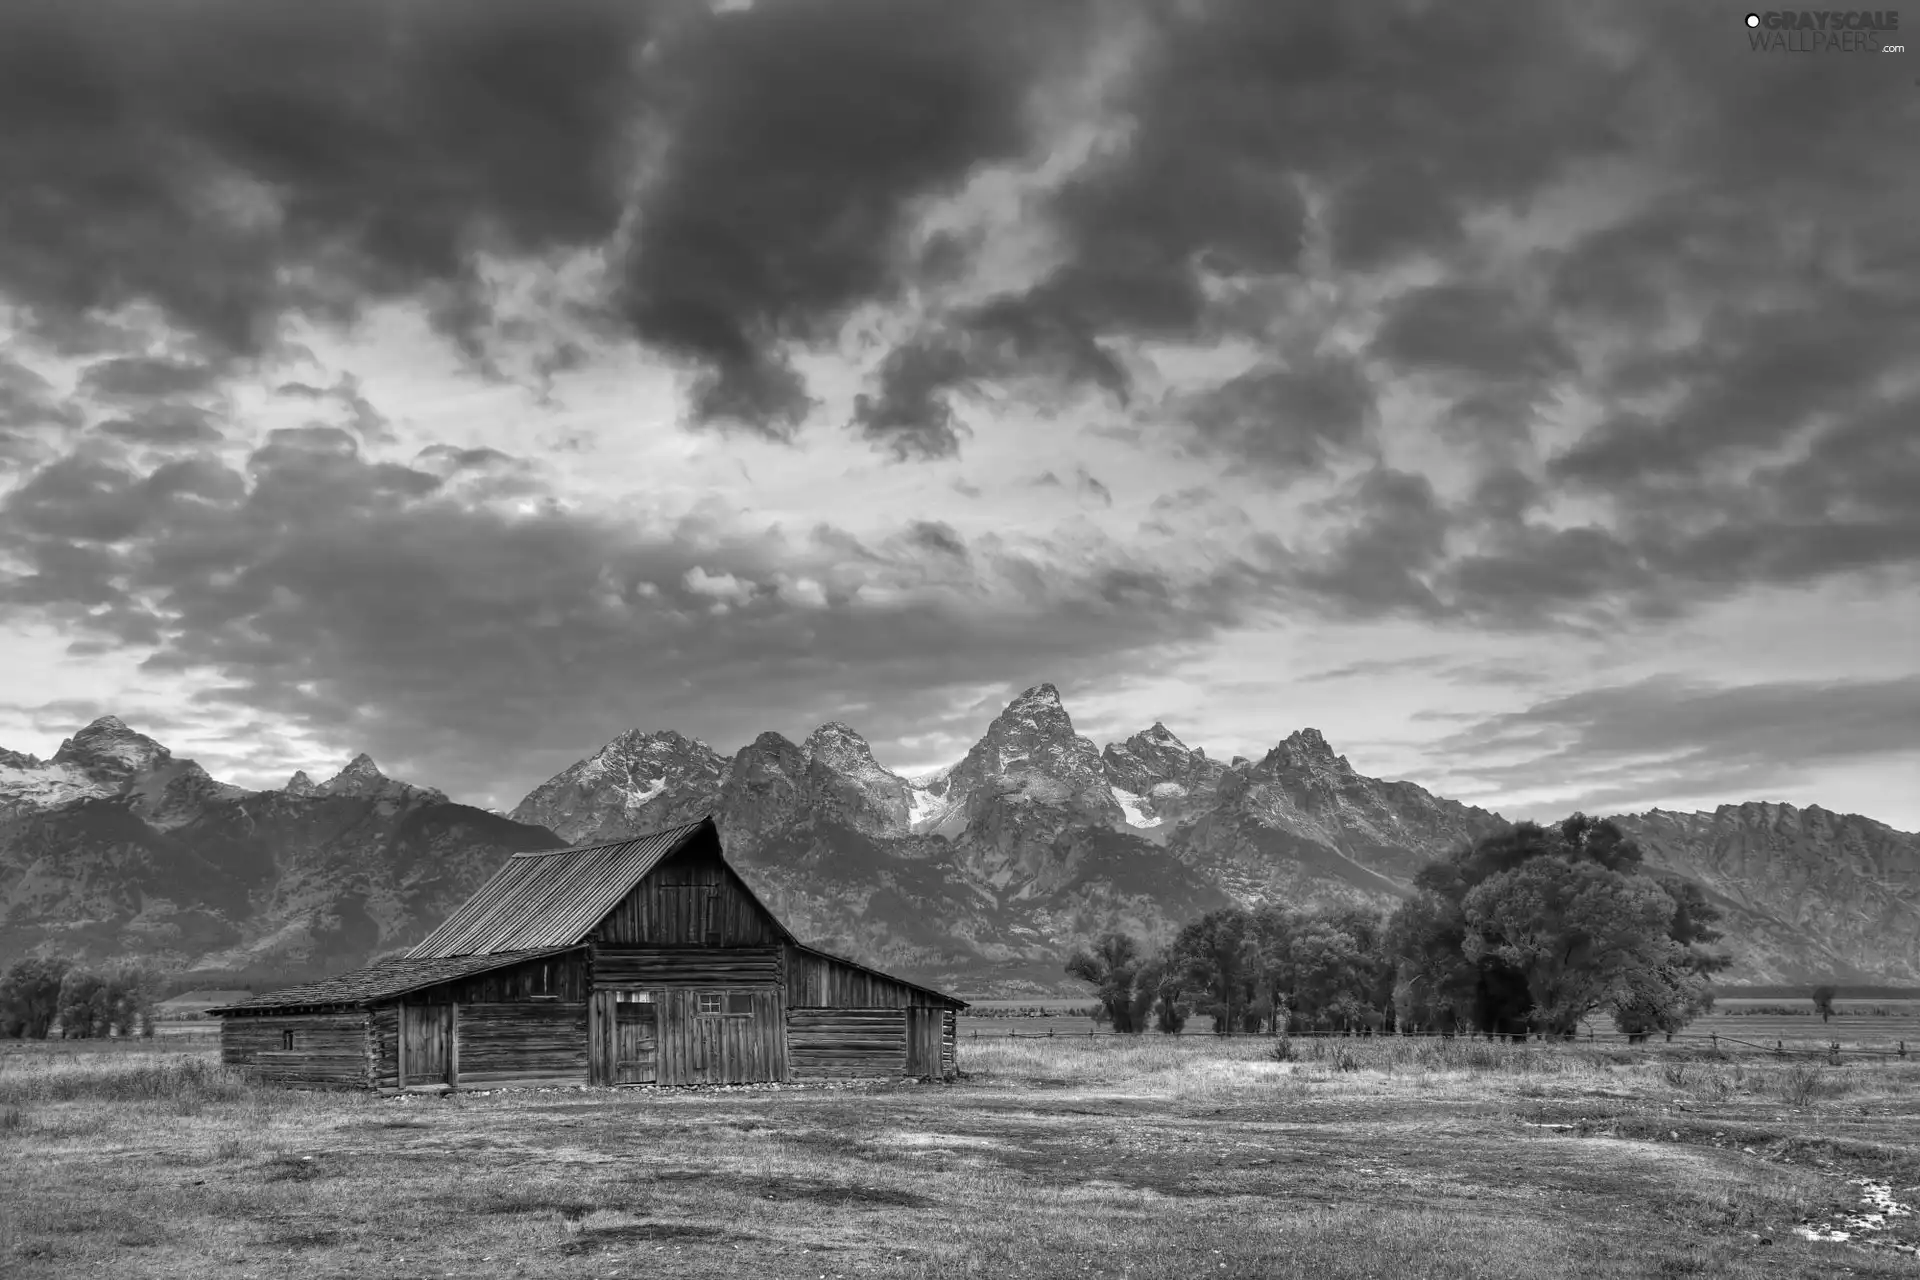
(393,976)
(553,898)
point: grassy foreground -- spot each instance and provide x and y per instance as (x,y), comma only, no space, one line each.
(1150,1158)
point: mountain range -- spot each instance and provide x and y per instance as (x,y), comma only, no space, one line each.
(978,877)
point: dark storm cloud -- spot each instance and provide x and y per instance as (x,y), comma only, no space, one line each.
(204,157)
(910,415)
(375,606)
(799,134)
(1289,418)
(1661,737)
(143,377)
(1381,563)
(165,426)
(1469,329)
(936,535)
(1407,117)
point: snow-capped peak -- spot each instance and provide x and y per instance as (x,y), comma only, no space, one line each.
(110,752)
(1160,733)
(837,747)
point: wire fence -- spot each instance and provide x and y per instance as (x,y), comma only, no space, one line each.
(1714,1042)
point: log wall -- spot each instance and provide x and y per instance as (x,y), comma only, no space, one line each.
(692,900)
(330,1050)
(949,1041)
(525,1025)
(825,1044)
(522,1044)
(630,966)
(816,981)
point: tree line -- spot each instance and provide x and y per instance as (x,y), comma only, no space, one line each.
(1527,932)
(37,995)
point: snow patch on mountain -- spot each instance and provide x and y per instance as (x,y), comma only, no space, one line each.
(1131,805)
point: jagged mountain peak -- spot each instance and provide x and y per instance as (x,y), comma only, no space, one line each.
(837,735)
(1306,748)
(360,769)
(300,784)
(656,739)
(1157,779)
(1035,712)
(108,751)
(362,778)
(642,780)
(1160,733)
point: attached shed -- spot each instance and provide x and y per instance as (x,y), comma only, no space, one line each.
(648,961)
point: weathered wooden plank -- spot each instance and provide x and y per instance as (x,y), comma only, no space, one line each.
(825,1043)
(329,1050)
(626,965)
(692,899)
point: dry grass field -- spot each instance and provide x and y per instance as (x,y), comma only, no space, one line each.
(1156,1157)
(1856,1024)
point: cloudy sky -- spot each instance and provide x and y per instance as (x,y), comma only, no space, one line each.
(1524,393)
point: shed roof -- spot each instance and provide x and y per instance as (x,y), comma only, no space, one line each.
(554,897)
(951,1001)
(396,975)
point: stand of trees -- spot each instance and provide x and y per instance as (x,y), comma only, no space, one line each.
(38,995)
(1526,932)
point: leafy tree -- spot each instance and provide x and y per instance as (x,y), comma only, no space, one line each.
(1823,1001)
(1217,953)
(130,999)
(85,1009)
(1112,968)
(30,997)
(1582,936)
(1157,991)
(1272,929)
(1534,928)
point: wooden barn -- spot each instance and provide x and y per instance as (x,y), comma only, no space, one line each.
(649,961)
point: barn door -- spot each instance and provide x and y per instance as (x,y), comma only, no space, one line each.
(636,1043)
(923,1042)
(623,1038)
(426,1044)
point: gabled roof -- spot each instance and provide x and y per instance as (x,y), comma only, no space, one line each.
(554,898)
(538,904)
(383,979)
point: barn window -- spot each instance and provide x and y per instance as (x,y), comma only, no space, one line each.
(733,1004)
(286,1039)
(710,1002)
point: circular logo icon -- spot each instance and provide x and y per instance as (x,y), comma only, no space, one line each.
(1753,19)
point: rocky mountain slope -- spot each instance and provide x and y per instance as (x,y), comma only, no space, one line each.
(114,849)
(978,876)
(1807,893)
